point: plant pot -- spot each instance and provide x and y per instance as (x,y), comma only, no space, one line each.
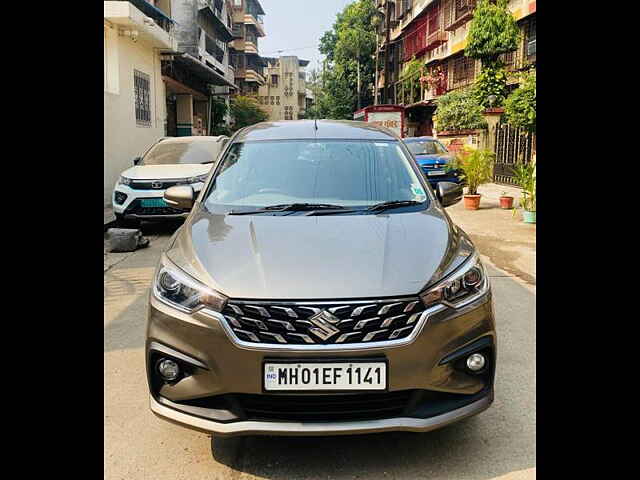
(506,202)
(472,202)
(528,217)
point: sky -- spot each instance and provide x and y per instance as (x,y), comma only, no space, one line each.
(296,26)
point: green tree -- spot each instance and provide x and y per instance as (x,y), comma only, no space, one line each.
(493,31)
(520,106)
(219,111)
(491,81)
(348,74)
(246,111)
(459,110)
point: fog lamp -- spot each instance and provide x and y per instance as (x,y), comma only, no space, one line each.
(120,198)
(476,362)
(168,369)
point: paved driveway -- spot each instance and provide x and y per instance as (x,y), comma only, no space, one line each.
(498,442)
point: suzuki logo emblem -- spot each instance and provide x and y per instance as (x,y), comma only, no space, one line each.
(324,325)
(156,184)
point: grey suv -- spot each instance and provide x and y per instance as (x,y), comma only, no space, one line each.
(318,287)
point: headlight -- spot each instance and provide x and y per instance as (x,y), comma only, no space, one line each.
(175,287)
(124,181)
(465,285)
(199,178)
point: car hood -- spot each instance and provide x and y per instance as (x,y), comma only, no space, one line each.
(433,159)
(317,257)
(162,172)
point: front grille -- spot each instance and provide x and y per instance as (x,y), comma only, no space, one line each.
(326,323)
(332,407)
(136,208)
(155,184)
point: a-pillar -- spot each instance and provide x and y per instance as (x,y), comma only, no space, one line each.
(184,114)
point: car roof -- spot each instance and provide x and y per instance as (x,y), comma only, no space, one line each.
(418,139)
(306,129)
(191,139)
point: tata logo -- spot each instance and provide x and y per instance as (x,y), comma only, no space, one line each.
(324,325)
(156,184)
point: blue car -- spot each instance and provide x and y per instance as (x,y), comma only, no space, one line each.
(433,157)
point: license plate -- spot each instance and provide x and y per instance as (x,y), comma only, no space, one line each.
(153,202)
(436,172)
(325,376)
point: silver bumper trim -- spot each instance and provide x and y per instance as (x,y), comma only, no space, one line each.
(324,428)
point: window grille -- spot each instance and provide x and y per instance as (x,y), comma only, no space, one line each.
(142,98)
(463,71)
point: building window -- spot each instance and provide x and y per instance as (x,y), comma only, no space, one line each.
(272,100)
(288,113)
(278,100)
(237,3)
(530,41)
(142,98)
(463,71)
(274,80)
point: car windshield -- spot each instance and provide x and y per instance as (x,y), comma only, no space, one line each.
(172,153)
(342,173)
(426,147)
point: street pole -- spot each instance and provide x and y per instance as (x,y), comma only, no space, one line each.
(375,85)
(386,52)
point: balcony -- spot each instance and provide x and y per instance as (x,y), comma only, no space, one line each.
(213,12)
(154,28)
(250,47)
(214,49)
(253,76)
(436,39)
(462,12)
(256,21)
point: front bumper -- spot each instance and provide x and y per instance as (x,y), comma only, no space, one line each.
(223,373)
(406,424)
(130,208)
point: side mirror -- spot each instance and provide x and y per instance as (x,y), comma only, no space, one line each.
(448,193)
(137,160)
(179,197)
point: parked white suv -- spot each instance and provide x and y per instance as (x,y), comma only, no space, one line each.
(171,161)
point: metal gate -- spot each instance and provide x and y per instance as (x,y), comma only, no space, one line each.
(513,145)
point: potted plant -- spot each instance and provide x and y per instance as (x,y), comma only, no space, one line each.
(478,169)
(524,175)
(506,201)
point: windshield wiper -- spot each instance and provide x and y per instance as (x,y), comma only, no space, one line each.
(289,207)
(379,207)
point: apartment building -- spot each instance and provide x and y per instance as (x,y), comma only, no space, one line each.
(199,69)
(136,33)
(248,28)
(435,33)
(284,93)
